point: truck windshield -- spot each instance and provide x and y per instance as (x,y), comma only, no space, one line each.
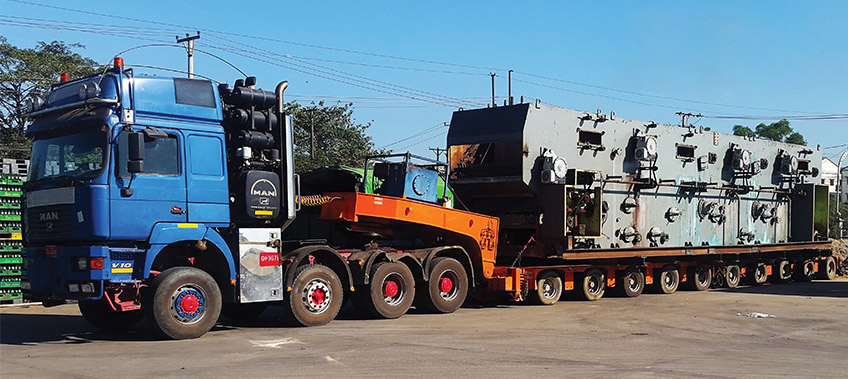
(80,156)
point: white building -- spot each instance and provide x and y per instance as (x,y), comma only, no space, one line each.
(828,174)
(829,177)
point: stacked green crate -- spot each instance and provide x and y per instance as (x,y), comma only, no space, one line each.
(11,246)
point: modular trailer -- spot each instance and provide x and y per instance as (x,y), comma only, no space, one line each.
(175,200)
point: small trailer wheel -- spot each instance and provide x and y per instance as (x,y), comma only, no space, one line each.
(631,283)
(756,274)
(732,276)
(669,280)
(594,284)
(548,289)
(700,278)
(804,271)
(827,269)
(782,272)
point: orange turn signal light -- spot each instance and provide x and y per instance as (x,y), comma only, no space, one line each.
(96,263)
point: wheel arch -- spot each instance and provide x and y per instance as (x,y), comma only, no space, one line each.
(170,248)
(370,258)
(322,254)
(425,256)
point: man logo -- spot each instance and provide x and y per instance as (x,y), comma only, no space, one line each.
(263,187)
(48,216)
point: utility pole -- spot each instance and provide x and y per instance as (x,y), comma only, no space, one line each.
(493,90)
(439,152)
(312,134)
(188,42)
(510,86)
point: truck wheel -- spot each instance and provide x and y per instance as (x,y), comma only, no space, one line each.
(246,311)
(316,295)
(548,289)
(700,278)
(827,269)
(101,315)
(782,272)
(732,276)
(390,293)
(631,284)
(804,271)
(669,280)
(594,284)
(756,274)
(182,302)
(446,288)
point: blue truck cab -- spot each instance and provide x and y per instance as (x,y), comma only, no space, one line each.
(158,197)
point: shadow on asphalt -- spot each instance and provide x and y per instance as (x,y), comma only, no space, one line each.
(33,329)
(816,288)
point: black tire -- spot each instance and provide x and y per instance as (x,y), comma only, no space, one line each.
(631,283)
(827,269)
(669,280)
(316,295)
(593,285)
(446,287)
(101,315)
(245,311)
(756,274)
(781,272)
(390,292)
(700,278)
(548,289)
(182,303)
(732,276)
(804,271)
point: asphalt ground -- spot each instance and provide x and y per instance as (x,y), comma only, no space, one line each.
(686,334)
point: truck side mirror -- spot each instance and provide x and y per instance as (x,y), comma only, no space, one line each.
(135,163)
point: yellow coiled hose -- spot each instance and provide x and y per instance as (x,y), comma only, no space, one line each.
(315,200)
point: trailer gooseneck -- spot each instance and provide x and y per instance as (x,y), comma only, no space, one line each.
(175,200)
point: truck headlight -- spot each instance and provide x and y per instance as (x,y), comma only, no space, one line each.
(82,263)
(73,287)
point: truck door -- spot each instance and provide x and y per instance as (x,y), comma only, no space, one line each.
(158,193)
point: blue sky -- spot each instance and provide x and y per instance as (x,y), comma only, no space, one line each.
(643,60)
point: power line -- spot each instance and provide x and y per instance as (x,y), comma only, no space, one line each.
(154,31)
(425,131)
(655,96)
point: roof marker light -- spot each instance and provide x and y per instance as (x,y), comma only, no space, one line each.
(65,77)
(119,62)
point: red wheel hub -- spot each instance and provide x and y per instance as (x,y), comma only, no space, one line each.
(189,304)
(390,288)
(445,284)
(318,296)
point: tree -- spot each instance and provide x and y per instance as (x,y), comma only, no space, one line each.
(339,140)
(30,72)
(838,210)
(745,131)
(777,131)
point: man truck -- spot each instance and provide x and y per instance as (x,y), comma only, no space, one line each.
(175,200)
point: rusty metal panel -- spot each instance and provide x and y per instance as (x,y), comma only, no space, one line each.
(663,185)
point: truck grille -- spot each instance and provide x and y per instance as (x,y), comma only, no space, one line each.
(50,221)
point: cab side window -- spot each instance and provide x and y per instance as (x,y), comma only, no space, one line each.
(161,156)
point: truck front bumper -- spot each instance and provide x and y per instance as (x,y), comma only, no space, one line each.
(55,273)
